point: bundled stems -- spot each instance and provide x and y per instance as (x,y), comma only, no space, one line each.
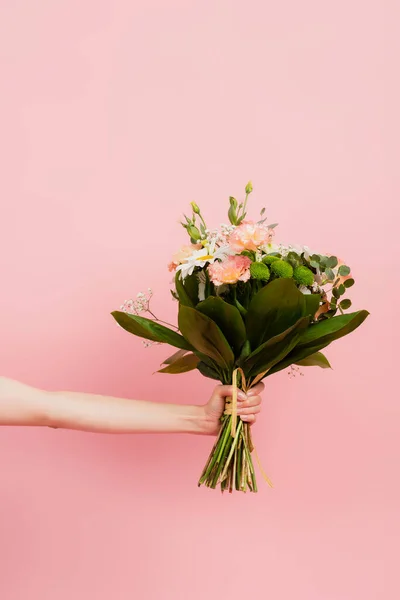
(230,464)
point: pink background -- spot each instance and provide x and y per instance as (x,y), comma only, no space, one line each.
(113,117)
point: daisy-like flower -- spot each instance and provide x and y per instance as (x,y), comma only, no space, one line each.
(182,254)
(199,258)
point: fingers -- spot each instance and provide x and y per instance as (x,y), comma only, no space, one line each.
(256,390)
(225,391)
(248,410)
(249,405)
(251,419)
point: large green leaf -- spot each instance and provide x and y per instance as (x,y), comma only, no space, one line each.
(275,308)
(174,357)
(329,330)
(275,349)
(315,360)
(228,319)
(183,295)
(181,365)
(205,336)
(191,285)
(208,371)
(150,330)
(315,338)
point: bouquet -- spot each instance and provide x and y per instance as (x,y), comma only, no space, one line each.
(248,307)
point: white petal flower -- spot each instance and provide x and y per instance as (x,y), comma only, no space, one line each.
(201,257)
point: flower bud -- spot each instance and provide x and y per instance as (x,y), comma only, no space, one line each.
(193,232)
(249,188)
(195,208)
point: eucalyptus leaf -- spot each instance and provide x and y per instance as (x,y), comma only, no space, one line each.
(329,274)
(344,270)
(332,262)
(348,283)
(345,304)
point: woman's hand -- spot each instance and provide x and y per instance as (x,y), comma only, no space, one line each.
(248,406)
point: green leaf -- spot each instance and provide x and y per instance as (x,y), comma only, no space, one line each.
(345,304)
(332,262)
(174,357)
(275,308)
(332,329)
(183,295)
(208,371)
(348,283)
(336,293)
(344,271)
(183,364)
(275,349)
(191,285)
(320,335)
(150,330)
(294,259)
(312,303)
(330,274)
(315,360)
(205,336)
(245,353)
(228,319)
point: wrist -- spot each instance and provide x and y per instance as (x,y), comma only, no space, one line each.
(197,421)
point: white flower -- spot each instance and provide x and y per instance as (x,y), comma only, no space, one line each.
(201,257)
(271,247)
(304,289)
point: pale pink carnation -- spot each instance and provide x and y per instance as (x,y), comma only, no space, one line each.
(249,236)
(230,270)
(182,255)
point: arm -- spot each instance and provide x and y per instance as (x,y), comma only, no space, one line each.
(21,404)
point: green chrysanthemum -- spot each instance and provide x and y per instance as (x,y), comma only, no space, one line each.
(303,276)
(259,271)
(282,269)
(269,259)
